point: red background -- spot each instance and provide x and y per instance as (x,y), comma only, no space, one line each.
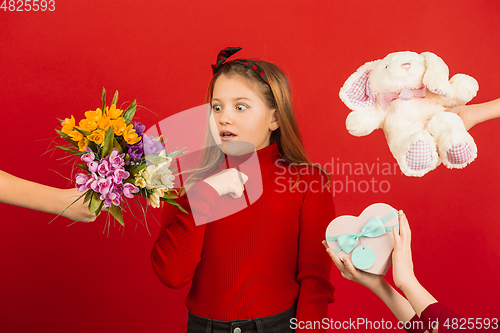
(56,278)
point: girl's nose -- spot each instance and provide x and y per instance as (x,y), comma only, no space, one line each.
(225,118)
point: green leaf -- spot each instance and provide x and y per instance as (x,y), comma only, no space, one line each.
(95,203)
(103,98)
(83,166)
(130,112)
(115,98)
(123,143)
(71,150)
(155,159)
(117,213)
(170,195)
(117,145)
(138,168)
(88,195)
(86,133)
(175,204)
(108,142)
(67,138)
(177,152)
(60,121)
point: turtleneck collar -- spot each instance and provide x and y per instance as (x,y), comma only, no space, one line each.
(266,155)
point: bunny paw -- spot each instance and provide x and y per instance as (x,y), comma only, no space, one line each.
(419,156)
(456,148)
(459,154)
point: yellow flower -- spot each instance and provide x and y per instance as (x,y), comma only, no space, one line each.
(75,135)
(103,123)
(83,143)
(119,125)
(98,137)
(130,136)
(94,115)
(113,112)
(88,125)
(68,124)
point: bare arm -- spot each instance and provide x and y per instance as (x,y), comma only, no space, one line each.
(477,113)
(398,305)
(404,277)
(24,193)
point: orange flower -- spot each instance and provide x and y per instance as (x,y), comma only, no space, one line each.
(94,115)
(119,125)
(103,123)
(113,112)
(83,143)
(75,135)
(88,125)
(68,124)
(130,136)
(98,137)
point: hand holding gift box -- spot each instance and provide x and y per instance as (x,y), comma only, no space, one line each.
(366,239)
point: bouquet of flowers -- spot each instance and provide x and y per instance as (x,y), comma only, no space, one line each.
(120,161)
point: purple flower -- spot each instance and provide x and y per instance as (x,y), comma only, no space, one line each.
(105,185)
(139,127)
(135,152)
(92,183)
(119,175)
(150,146)
(115,159)
(93,166)
(129,189)
(103,168)
(81,181)
(110,198)
(89,157)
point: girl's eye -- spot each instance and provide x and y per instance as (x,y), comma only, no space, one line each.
(241,107)
(216,108)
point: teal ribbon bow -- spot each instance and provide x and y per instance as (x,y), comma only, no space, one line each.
(373,228)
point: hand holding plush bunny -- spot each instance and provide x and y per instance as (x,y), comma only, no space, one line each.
(406,94)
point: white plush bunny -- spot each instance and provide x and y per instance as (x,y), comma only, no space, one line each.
(406,94)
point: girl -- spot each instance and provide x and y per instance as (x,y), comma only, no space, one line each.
(242,279)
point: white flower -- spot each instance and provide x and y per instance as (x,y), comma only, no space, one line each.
(139,181)
(154,198)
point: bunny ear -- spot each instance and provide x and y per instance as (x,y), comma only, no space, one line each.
(436,75)
(356,92)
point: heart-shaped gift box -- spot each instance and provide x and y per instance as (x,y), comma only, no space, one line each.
(366,239)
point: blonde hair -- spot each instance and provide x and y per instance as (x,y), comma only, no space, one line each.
(277,96)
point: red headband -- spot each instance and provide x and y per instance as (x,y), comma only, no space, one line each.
(229,51)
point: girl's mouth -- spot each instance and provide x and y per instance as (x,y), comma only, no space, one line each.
(227,135)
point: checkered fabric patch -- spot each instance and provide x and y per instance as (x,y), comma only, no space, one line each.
(459,154)
(360,93)
(419,155)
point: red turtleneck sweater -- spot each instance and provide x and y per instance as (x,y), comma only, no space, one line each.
(259,261)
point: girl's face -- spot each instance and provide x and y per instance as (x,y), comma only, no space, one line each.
(240,112)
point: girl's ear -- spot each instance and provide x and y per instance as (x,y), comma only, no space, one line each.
(274,122)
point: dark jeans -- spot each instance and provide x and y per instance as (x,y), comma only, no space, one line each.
(278,323)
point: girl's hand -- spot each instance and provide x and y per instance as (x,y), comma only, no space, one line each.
(345,266)
(228,181)
(464,112)
(402,264)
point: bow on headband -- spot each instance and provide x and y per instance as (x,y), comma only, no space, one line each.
(229,51)
(373,228)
